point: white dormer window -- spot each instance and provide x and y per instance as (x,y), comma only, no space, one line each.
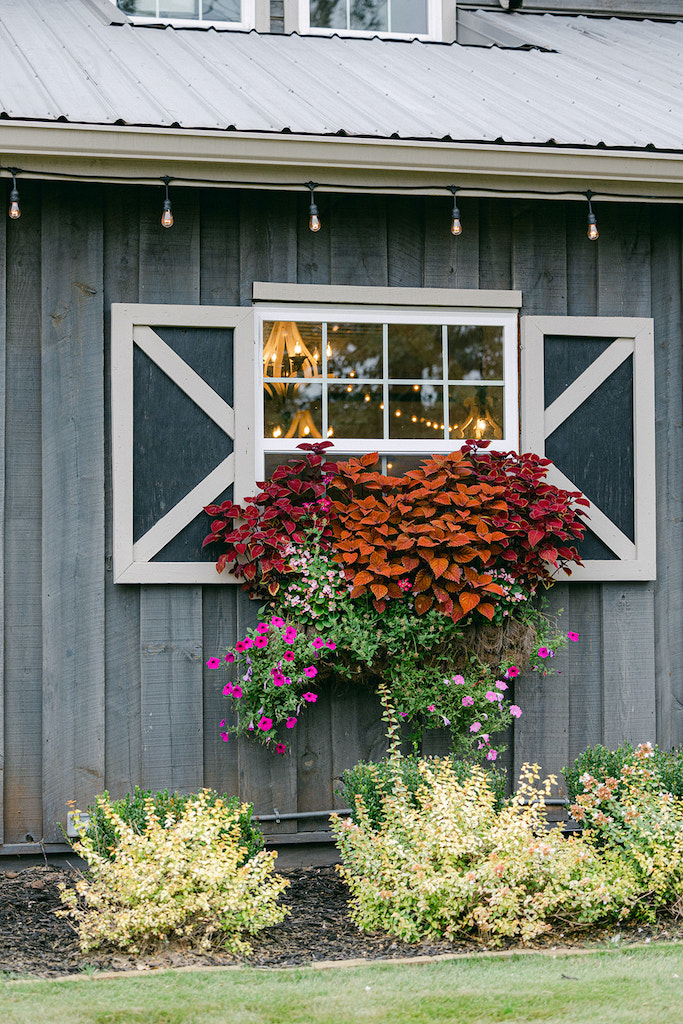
(222,13)
(408,19)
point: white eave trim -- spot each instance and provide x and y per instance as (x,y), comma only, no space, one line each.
(284,160)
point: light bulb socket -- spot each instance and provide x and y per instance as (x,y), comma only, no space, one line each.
(456,225)
(592,232)
(167,215)
(313,215)
(14,209)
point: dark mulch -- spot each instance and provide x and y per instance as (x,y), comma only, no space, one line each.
(33,940)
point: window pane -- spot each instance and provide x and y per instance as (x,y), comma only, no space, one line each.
(398,465)
(293,411)
(416,410)
(370,14)
(221,10)
(291,349)
(179,9)
(141,8)
(415,352)
(354,350)
(328,14)
(355,410)
(475,353)
(409,16)
(476,412)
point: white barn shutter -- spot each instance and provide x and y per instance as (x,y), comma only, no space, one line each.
(587,403)
(182,400)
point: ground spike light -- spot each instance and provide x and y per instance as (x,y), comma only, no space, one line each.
(167,215)
(14,209)
(593,232)
(313,218)
(456,226)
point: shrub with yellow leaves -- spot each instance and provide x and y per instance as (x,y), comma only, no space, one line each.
(185,881)
(444,863)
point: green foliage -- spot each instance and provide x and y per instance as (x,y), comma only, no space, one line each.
(372,781)
(602,763)
(445,863)
(133,810)
(187,880)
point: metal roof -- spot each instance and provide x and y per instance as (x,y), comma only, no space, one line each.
(611,82)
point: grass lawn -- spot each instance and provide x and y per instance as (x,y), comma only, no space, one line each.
(629,986)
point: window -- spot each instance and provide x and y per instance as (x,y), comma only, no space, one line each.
(236,13)
(409,18)
(407,382)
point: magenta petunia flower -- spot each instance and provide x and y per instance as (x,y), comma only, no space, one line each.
(318,642)
(403,714)
(248,642)
(515,711)
(239,646)
(279,679)
(431,707)
(512,672)
(543,652)
(288,655)
(266,723)
(310,672)
(262,627)
(230,658)
(261,642)
(291,722)
(237,692)
(310,697)
(501,685)
(573,637)
(277,622)
(330,644)
(225,737)
(280,748)
(289,635)
(213,663)
(492,755)
(490,695)
(467,701)
(228,690)
(458,680)
(475,727)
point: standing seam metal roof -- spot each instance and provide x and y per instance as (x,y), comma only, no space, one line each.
(611,82)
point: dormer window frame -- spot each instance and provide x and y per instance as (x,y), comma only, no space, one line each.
(246,23)
(435,23)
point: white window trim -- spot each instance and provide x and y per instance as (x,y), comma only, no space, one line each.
(636,560)
(398,305)
(435,23)
(245,24)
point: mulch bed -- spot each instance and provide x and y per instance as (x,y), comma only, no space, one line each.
(34,941)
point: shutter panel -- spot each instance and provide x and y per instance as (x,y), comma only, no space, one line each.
(182,400)
(587,403)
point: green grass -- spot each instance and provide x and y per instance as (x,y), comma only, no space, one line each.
(638,986)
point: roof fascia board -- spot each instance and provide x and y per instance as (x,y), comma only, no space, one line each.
(281,160)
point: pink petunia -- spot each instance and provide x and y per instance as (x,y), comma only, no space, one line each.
(475,727)
(491,695)
(492,755)
(515,711)
(467,701)
(230,658)
(289,635)
(318,642)
(277,622)
(221,724)
(237,692)
(458,680)
(512,672)
(431,708)
(225,737)
(291,722)
(403,714)
(280,748)
(247,642)
(239,646)
(213,663)
(228,690)
(288,655)
(279,679)
(266,723)
(501,685)
(330,644)
(261,642)
(310,672)
(543,652)
(262,627)
(573,637)
(310,697)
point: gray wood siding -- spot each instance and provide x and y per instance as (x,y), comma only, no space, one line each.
(105,685)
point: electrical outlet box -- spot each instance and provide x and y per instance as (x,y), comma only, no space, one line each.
(71,830)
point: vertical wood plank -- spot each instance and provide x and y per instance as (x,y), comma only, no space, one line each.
(313,247)
(221,765)
(123,738)
(451,261)
(171,616)
(219,255)
(666,279)
(539,256)
(405,241)
(628,610)
(73,500)
(358,245)
(583,616)
(3,413)
(495,243)
(22,576)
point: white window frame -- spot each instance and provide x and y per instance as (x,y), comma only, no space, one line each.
(386,305)
(435,23)
(245,24)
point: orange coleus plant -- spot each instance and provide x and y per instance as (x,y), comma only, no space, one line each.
(443,532)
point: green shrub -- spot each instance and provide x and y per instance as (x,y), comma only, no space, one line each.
(444,863)
(373,780)
(602,763)
(132,809)
(187,880)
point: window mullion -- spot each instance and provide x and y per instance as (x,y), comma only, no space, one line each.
(323,399)
(444,381)
(385,380)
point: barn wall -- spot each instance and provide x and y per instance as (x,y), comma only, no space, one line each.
(104,685)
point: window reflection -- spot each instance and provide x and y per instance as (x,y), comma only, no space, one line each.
(476,412)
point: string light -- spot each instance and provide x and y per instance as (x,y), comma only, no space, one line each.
(593,232)
(167,215)
(456,226)
(313,218)
(14,210)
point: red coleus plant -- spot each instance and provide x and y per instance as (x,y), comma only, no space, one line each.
(257,536)
(442,531)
